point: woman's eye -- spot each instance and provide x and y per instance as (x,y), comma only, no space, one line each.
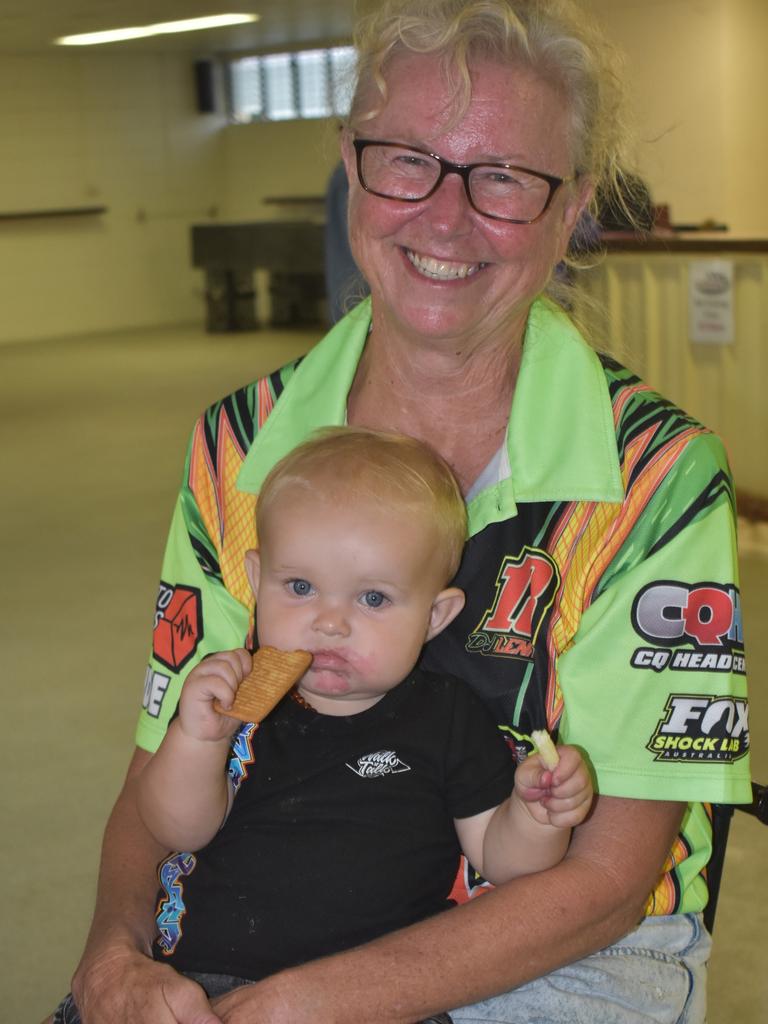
(374,599)
(300,587)
(499,179)
(411,160)
(410,163)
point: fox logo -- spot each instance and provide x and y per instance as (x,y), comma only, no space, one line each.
(702,728)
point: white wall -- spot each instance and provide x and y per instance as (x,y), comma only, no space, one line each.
(699,81)
(745,90)
(284,158)
(121,129)
(118,130)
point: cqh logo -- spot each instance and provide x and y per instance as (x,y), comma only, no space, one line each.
(693,627)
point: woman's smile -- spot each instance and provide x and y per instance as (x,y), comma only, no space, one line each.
(440,269)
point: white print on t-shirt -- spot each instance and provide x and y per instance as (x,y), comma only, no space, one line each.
(383,762)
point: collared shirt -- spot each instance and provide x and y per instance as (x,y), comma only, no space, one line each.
(548,457)
(600,571)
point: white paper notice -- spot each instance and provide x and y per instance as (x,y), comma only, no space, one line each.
(710,301)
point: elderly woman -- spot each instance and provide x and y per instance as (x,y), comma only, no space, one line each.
(599,570)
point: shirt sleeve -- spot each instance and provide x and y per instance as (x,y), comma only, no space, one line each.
(654,684)
(195,612)
(480,770)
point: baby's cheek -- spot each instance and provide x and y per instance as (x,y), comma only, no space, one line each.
(363,661)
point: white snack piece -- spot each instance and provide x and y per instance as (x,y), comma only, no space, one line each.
(545,748)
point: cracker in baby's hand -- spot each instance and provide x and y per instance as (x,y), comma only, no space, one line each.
(546,749)
(273,674)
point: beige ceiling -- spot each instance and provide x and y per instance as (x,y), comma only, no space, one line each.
(29,26)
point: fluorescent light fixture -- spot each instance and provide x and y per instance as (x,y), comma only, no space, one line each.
(160,29)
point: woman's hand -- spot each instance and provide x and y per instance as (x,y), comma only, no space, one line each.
(129,988)
(116,981)
(304,995)
(264,1003)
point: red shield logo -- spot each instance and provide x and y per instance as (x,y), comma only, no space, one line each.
(178,625)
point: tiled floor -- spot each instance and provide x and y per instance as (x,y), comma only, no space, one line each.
(92,436)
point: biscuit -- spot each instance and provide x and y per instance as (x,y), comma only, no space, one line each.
(546,749)
(273,674)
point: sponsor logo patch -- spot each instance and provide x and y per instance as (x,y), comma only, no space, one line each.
(702,728)
(693,627)
(374,766)
(178,627)
(525,589)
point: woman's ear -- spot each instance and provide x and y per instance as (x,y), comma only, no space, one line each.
(253,569)
(583,192)
(578,202)
(445,608)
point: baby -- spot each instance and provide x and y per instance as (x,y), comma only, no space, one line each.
(342,816)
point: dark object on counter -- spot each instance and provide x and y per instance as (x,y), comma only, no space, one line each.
(229,253)
(632,214)
(230,301)
(296,299)
(706,225)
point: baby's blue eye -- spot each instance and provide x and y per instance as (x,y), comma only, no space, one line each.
(300,587)
(373,598)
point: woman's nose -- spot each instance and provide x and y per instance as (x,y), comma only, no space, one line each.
(449,207)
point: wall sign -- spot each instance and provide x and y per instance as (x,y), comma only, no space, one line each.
(710,301)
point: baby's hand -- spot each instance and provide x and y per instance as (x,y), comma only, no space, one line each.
(561,796)
(215,678)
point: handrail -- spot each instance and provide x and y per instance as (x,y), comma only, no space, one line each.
(63,211)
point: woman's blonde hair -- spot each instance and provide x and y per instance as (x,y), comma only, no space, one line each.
(555,38)
(343,464)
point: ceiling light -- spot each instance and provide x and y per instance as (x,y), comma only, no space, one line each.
(162,28)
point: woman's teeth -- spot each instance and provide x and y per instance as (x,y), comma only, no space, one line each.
(441,270)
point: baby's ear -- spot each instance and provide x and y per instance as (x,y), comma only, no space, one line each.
(445,608)
(253,568)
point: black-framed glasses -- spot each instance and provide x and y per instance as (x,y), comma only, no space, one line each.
(501,191)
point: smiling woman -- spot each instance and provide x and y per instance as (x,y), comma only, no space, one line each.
(479,132)
(439,267)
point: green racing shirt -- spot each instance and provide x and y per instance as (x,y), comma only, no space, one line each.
(600,573)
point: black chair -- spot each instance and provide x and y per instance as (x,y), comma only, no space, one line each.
(721,823)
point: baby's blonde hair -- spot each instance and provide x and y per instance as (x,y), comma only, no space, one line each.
(342,464)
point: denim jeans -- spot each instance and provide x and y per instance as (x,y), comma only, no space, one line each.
(654,975)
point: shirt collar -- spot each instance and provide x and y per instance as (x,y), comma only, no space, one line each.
(315,396)
(561,440)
